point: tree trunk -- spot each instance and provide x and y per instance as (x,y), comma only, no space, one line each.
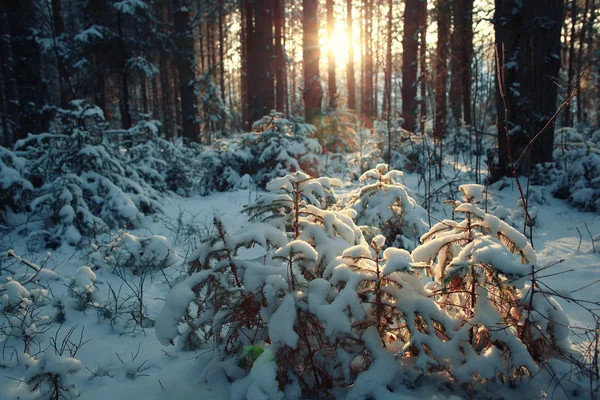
(441,81)
(527,42)
(58,28)
(279,21)
(455,96)
(185,68)
(350,67)
(423,62)
(567,117)
(582,37)
(10,95)
(264,99)
(248,69)
(387,92)
(410,46)
(331,84)
(124,100)
(313,93)
(26,68)
(367,99)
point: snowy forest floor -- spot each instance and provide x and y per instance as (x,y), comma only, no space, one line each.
(124,361)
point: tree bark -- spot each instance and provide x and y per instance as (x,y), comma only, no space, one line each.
(331,83)
(528,48)
(410,47)
(264,97)
(350,67)
(441,81)
(313,93)
(423,61)
(279,22)
(567,116)
(185,69)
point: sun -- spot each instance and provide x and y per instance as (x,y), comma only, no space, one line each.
(338,42)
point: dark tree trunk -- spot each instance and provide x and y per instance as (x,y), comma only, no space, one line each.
(582,40)
(124,100)
(222,48)
(460,60)
(410,47)
(313,93)
(387,92)
(455,96)
(10,95)
(528,46)
(58,28)
(185,68)
(350,67)
(467,58)
(331,84)
(567,117)
(279,21)
(27,68)
(248,69)
(264,96)
(423,61)
(441,81)
(367,99)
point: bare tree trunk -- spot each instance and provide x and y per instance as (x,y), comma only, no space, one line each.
(313,93)
(455,96)
(264,99)
(467,58)
(567,117)
(582,37)
(331,84)
(528,34)
(367,101)
(279,21)
(350,67)
(441,81)
(423,62)
(10,96)
(185,69)
(58,28)
(124,100)
(387,92)
(222,49)
(410,46)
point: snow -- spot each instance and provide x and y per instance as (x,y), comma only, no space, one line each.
(281,323)
(331,239)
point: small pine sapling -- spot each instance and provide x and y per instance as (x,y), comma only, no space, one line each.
(385,204)
(480,268)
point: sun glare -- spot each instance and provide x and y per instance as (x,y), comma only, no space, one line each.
(339,43)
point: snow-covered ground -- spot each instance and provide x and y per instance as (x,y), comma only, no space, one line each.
(121,360)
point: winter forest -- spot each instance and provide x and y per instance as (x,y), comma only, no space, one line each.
(299,199)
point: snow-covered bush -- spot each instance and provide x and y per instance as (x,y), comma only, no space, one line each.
(313,306)
(49,375)
(385,205)
(15,189)
(269,302)
(280,147)
(22,320)
(484,277)
(276,147)
(409,151)
(83,287)
(84,186)
(137,253)
(338,132)
(575,172)
(222,167)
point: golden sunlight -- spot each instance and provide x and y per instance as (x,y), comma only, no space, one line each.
(339,43)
